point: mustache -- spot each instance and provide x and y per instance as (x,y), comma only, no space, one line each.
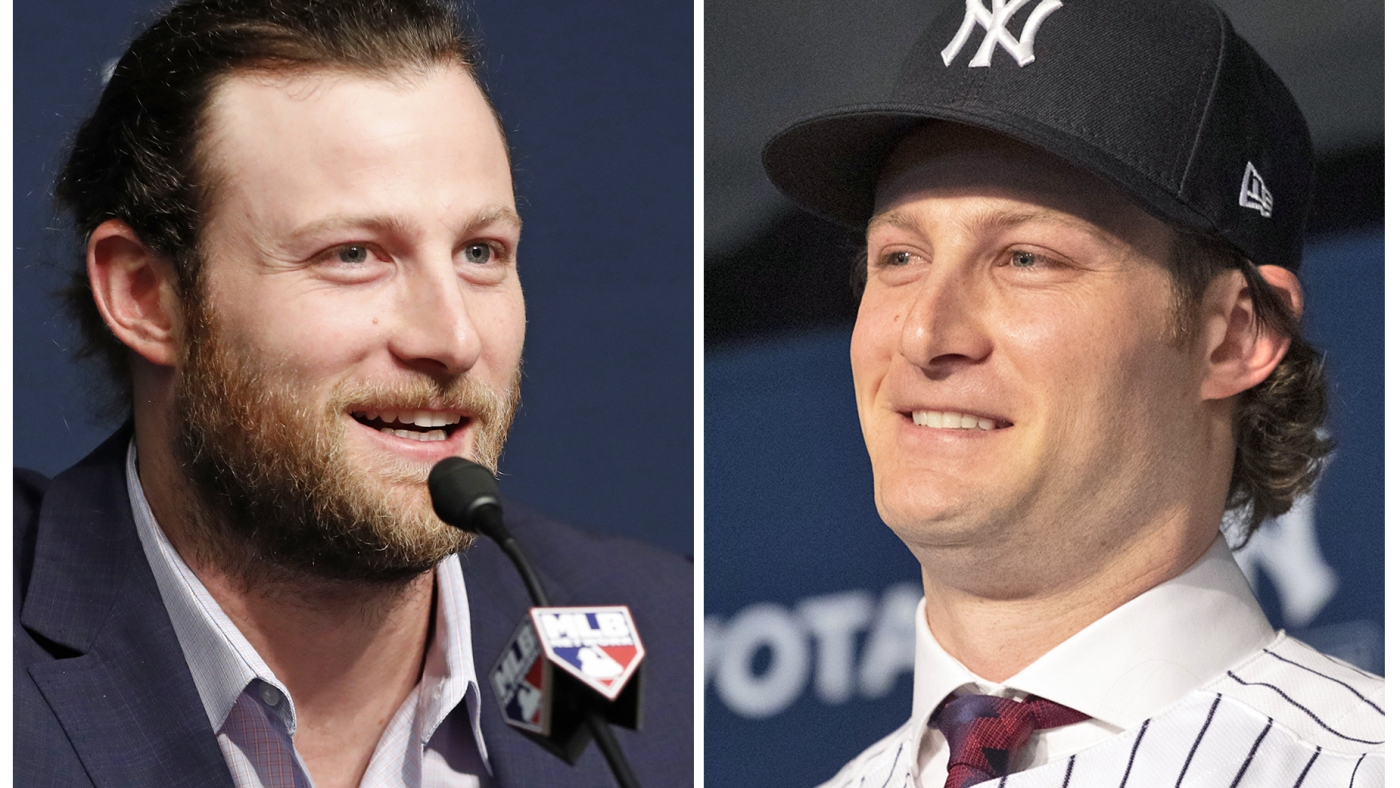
(464,394)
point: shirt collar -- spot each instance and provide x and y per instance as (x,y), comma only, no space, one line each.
(223,663)
(449,670)
(1134,662)
(221,660)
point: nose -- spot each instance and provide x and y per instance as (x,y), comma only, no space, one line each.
(945,325)
(434,331)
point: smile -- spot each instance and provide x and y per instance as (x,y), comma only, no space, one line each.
(952,420)
(415,425)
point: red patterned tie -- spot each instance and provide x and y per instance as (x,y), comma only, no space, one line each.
(984,732)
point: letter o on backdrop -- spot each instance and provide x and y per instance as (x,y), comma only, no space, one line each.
(756,696)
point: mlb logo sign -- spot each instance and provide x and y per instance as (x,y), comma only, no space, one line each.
(522,682)
(597,645)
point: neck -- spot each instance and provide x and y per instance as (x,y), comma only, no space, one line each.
(349,656)
(349,653)
(996,636)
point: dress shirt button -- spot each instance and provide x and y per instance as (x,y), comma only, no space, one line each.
(270,695)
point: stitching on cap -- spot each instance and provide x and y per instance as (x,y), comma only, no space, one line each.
(1215,81)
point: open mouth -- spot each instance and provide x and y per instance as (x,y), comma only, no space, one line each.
(416,425)
(953,420)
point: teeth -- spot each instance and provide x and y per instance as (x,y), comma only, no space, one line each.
(951,420)
(430,435)
(418,418)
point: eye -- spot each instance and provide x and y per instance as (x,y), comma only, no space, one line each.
(1024,259)
(895,259)
(478,253)
(352,253)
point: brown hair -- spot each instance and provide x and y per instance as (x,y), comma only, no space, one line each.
(1279,443)
(137,157)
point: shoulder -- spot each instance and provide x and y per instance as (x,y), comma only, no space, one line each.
(589,563)
(1211,739)
(30,487)
(73,510)
(888,762)
(1321,700)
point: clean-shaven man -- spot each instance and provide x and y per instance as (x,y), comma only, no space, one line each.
(1077,348)
(300,242)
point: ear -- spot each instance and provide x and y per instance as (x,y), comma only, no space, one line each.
(135,292)
(1241,351)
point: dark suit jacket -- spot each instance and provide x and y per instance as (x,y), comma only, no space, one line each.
(103,696)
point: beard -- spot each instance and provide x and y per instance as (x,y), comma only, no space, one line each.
(273,494)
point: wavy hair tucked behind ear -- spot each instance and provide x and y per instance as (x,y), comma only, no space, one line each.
(137,158)
(1279,443)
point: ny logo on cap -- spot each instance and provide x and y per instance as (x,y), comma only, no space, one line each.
(994,22)
(1254,194)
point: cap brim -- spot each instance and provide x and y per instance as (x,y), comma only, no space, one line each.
(829,163)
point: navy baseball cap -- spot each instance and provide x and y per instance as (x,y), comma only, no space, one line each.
(1160,97)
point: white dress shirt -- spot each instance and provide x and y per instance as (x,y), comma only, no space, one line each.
(1195,656)
(433,740)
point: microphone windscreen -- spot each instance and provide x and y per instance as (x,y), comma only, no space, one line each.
(460,489)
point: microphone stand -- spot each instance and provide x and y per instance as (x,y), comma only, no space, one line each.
(465,495)
(602,732)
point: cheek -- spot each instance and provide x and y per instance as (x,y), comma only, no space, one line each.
(304,328)
(1096,358)
(874,344)
(499,319)
(1058,346)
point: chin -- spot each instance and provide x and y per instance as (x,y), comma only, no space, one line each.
(917,513)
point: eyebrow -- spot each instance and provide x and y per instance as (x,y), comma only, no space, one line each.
(993,219)
(393,225)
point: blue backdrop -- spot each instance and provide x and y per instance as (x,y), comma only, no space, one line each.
(809,597)
(598,104)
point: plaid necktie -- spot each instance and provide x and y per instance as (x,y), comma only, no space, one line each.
(984,732)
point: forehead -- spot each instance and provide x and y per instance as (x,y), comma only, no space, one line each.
(947,161)
(293,147)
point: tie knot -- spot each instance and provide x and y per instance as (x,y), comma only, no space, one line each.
(984,732)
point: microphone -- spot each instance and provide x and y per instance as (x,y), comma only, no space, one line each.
(465,496)
(550,691)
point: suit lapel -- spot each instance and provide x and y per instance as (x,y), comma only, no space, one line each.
(126,701)
(498,604)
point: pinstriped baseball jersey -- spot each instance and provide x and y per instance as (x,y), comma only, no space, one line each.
(1187,704)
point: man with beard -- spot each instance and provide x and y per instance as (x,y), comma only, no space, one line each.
(300,237)
(1077,347)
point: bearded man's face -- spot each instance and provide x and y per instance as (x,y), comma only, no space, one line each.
(358,316)
(271,465)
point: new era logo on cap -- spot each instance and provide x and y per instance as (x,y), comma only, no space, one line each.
(994,22)
(1254,194)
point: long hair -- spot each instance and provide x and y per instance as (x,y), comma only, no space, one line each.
(1279,442)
